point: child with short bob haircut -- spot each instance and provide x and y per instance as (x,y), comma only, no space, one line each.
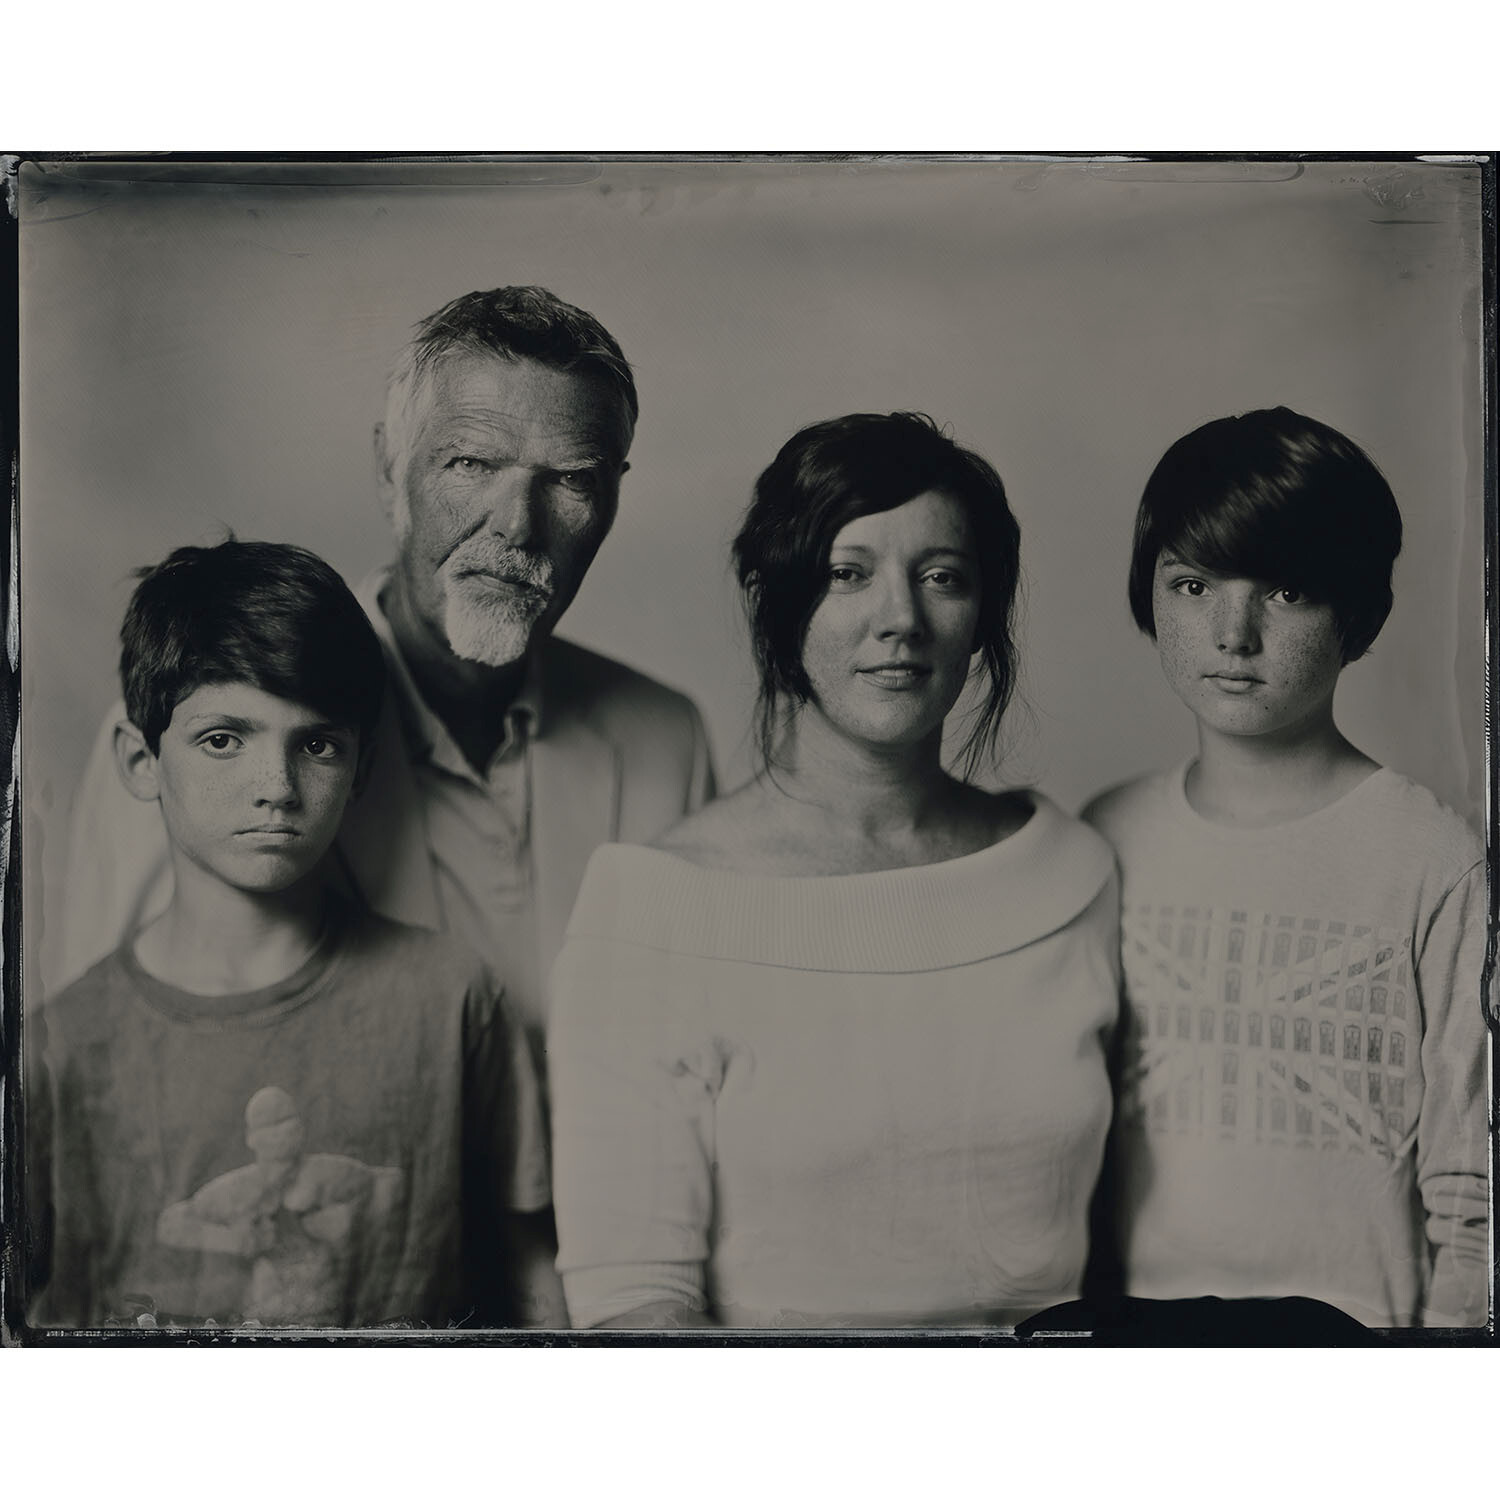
(1303,1100)
(270,1106)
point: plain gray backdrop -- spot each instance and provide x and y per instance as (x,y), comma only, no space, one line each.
(205,347)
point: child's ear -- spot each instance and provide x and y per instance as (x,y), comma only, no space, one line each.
(135,763)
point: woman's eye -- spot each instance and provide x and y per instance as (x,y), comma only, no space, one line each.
(840,573)
(946,578)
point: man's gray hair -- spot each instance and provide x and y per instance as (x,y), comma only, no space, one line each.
(511,322)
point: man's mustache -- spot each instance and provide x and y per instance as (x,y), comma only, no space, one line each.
(509,564)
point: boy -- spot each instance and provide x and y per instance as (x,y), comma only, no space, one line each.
(270,1106)
(1304,1094)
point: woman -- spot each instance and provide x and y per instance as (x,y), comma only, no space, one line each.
(832,1053)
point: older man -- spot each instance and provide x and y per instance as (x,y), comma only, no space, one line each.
(505,756)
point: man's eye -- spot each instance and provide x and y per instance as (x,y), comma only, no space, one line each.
(219,741)
(467,464)
(577,481)
(321,749)
(1290,596)
(1194,588)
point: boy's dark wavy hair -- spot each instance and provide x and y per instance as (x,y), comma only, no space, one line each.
(829,474)
(1277,496)
(265,613)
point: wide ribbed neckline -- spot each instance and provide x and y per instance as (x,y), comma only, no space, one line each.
(963,910)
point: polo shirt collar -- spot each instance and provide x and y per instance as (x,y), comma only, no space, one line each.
(427,737)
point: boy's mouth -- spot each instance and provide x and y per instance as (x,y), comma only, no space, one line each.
(1233,682)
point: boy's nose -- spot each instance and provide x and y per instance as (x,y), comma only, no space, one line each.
(1237,626)
(276,783)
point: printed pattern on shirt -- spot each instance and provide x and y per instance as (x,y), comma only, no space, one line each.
(1266,1028)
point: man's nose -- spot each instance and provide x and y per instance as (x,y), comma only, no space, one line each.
(1237,623)
(513,505)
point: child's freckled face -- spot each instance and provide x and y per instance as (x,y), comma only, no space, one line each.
(252,787)
(1247,656)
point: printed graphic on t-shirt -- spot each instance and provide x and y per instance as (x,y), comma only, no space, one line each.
(303,1221)
(1265,1028)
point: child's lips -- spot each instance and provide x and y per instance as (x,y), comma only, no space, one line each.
(1233,682)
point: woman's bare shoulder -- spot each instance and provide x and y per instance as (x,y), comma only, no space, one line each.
(996,814)
(723,833)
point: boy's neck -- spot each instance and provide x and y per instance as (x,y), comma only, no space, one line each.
(216,940)
(1257,781)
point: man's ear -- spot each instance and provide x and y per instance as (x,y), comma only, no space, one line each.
(385,477)
(135,763)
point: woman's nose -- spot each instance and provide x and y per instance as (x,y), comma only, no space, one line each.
(899,611)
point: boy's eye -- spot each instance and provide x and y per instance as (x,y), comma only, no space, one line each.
(219,742)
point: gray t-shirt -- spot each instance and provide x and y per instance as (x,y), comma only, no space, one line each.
(325,1152)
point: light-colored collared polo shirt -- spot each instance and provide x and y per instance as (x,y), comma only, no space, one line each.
(478,827)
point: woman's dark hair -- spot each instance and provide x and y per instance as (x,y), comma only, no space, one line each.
(1276,496)
(828,475)
(271,615)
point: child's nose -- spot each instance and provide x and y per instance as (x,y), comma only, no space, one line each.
(1237,625)
(276,784)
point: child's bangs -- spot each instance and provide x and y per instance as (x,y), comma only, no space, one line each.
(1244,536)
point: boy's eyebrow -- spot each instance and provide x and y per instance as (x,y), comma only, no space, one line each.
(227,721)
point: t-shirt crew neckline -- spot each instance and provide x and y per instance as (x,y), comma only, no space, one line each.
(1237,833)
(268,1003)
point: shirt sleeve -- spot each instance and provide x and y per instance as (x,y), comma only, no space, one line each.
(632,1122)
(117,874)
(61,1205)
(1453,1127)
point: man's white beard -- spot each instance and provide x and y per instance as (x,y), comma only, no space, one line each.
(489,631)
